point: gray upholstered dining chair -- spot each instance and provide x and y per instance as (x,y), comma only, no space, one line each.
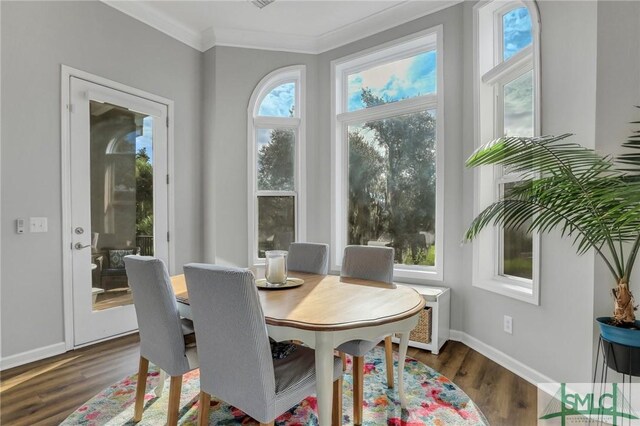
(162,331)
(376,264)
(312,258)
(236,364)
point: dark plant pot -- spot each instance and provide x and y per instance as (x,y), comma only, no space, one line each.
(620,335)
(621,358)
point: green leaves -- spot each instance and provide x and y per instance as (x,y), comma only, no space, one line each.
(276,161)
(541,155)
(567,187)
(632,158)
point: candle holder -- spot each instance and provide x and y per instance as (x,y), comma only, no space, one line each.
(276,267)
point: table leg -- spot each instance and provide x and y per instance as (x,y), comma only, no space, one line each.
(324,376)
(402,354)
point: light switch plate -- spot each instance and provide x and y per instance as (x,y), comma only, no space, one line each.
(38,224)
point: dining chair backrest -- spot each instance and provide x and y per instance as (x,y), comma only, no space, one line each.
(160,328)
(233,346)
(312,258)
(368,263)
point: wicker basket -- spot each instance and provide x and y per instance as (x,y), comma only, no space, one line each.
(422,332)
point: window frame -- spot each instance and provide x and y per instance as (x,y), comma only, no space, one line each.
(297,75)
(491,74)
(421,42)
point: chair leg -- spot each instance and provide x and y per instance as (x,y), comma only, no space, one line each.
(336,415)
(203,413)
(388,350)
(174,400)
(358,385)
(141,386)
(160,388)
(343,357)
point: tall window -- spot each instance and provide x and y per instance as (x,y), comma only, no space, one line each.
(276,150)
(507,104)
(387,152)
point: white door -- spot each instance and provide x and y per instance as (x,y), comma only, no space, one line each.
(118,202)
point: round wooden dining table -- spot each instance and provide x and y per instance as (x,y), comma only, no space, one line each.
(328,310)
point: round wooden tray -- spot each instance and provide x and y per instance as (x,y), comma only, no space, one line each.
(291,283)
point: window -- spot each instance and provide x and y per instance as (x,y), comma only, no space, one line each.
(387,152)
(506,104)
(276,149)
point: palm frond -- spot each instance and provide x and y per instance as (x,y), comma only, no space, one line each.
(566,187)
(541,155)
(632,159)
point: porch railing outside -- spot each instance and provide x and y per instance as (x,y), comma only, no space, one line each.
(145,242)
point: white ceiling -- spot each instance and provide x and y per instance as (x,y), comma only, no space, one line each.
(309,26)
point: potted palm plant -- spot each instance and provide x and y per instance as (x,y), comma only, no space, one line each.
(593,199)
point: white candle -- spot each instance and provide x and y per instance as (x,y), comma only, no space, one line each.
(276,270)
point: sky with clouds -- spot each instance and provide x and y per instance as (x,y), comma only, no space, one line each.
(416,76)
(263,137)
(518,106)
(146,139)
(394,81)
(279,102)
(518,94)
(516,27)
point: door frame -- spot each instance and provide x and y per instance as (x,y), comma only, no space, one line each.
(66,73)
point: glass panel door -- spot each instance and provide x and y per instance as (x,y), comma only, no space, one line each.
(119,202)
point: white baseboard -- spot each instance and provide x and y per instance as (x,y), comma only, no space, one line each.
(529,374)
(32,355)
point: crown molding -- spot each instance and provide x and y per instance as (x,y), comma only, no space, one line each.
(205,40)
(264,40)
(379,22)
(208,39)
(143,12)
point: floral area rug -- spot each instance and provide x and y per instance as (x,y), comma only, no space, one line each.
(432,400)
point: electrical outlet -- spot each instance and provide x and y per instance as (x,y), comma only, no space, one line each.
(508,324)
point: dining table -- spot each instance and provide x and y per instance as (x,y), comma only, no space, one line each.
(328,310)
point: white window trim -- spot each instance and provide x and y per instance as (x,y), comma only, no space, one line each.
(297,74)
(423,41)
(487,113)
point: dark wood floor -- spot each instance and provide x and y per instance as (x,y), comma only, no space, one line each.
(46,392)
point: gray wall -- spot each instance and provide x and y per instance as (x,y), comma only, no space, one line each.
(237,72)
(320,194)
(566,281)
(618,90)
(590,79)
(37,37)
(560,328)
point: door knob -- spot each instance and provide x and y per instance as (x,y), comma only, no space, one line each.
(79,246)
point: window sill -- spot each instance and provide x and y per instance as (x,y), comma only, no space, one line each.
(506,288)
(417,274)
(423,276)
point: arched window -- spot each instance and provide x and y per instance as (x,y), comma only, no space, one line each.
(276,152)
(507,103)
